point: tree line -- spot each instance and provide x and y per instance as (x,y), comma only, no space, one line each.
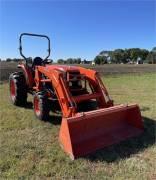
(69,61)
(117,56)
(130,55)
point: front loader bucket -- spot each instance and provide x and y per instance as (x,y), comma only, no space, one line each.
(96,129)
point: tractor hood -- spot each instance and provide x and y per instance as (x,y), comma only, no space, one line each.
(63,68)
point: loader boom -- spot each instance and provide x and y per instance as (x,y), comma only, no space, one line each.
(68,102)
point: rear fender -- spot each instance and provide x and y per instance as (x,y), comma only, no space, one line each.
(28,74)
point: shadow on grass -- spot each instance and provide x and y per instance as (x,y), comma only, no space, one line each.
(128,147)
(54,118)
(29,105)
(145,108)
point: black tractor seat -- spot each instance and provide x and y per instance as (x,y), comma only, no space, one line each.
(37,62)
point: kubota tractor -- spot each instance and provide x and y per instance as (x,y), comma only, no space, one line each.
(90,120)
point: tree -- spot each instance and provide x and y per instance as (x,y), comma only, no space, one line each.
(135,53)
(151,58)
(97,60)
(143,54)
(78,60)
(8,60)
(154,50)
(118,56)
(15,60)
(125,55)
(60,61)
(69,61)
(85,61)
(100,60)
(103,60)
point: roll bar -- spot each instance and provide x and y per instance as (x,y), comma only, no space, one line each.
(36,35)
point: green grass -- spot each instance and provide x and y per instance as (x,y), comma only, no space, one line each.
(29,148)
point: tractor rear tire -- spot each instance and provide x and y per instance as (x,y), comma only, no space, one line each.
(41,106)
(18,89)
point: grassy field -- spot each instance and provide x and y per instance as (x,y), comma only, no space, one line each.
(30,149)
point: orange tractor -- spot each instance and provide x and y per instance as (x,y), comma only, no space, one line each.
(90,120)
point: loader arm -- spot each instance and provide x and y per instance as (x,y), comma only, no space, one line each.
(69,103)
(66,101)
(104,100)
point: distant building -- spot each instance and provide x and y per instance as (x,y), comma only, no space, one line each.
(139,60)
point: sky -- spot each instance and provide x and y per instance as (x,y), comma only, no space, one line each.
(76,28)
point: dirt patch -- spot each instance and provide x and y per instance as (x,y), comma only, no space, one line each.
(6,68)
(123,68)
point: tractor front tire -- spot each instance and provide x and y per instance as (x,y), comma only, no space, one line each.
(18,89)
(41,106)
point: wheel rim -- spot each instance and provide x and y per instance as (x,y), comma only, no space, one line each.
(12,89)
(37,106)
